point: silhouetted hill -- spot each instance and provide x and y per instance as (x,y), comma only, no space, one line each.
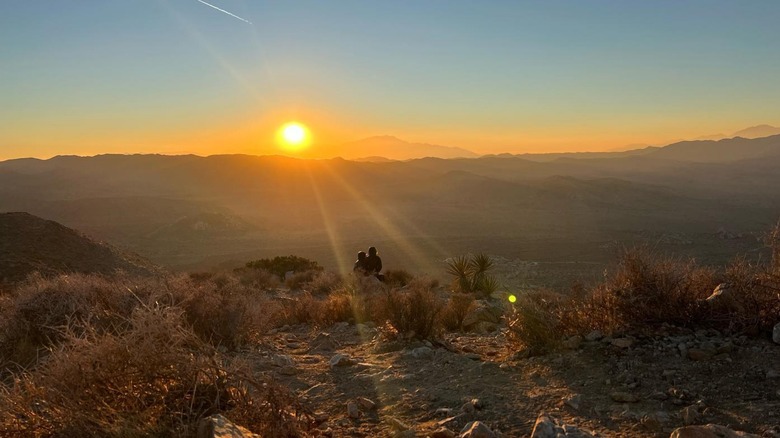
(30,244)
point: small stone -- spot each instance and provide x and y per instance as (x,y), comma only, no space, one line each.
(624,397)
(622,342)
(698,354)
(282,360)
(709,431)
(476,429)
(473,356)
(772,374)
(468,408)
(573,342)
(573,401)
(288,371)
(690,415)
(422,353)
(776,333)
(443,433)
(366,404)
(341,360)
(396,424)
(353,411)
(218,426)
(595,335)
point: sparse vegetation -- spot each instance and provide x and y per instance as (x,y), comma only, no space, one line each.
(280,265)
(125,359)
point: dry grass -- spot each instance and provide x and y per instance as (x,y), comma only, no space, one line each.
(412,312)
(146,375)
(455,311)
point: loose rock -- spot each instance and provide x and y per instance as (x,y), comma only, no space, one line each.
(477,429)
(341,360)
(709,431)
(218,426)
(352,410)
(624,397)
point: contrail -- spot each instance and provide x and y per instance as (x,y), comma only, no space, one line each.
(222,10)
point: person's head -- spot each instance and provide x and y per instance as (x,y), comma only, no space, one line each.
(372,251)
(361,255)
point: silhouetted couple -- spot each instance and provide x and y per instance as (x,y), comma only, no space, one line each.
(369,264)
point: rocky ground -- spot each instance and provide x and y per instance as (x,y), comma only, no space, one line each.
(359,385)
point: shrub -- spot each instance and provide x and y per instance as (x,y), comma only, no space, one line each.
(398,277)
(536,324)
(324,282)
(153,378)
(413,312)
(471,274)
(280,265)
(457,307)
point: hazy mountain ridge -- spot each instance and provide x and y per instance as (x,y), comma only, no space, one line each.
(284,203)
(30,244)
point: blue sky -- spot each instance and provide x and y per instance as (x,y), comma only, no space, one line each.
(88,76)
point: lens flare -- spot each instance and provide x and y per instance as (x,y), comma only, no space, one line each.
(512,298)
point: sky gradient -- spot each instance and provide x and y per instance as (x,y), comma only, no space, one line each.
(118,76)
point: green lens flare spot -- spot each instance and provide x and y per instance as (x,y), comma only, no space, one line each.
(512,298)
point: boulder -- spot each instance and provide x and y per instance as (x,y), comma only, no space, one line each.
(709,431)
(477,429)
(217,426)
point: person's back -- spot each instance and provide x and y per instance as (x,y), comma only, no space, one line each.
(373,262)
(360,264)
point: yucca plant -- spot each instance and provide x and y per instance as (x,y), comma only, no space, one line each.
(471,274)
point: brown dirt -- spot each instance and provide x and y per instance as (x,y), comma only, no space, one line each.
(731,389)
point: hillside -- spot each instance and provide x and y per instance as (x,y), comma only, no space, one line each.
(30,244)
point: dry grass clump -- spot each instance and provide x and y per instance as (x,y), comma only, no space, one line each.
(412,312)
(150,377)
(536,323)
(222,310)
(398,277)
(324,282)
(32,316)
(455,311)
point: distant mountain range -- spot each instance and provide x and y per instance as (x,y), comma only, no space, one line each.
(393,148)
(184,210)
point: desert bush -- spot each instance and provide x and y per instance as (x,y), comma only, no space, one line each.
(257,278)
(324,282)
(413,312)
(535,324)
(645,291)
(398,277)
(280,265)
(32,317)
(455,311)
(299,280)
(471,274)
(152,378)
(222,311)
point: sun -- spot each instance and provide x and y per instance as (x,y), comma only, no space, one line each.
(293,136)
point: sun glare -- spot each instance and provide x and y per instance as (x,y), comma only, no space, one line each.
(293,136)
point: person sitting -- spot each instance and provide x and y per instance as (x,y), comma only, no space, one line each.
(374,264)
(360,264)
